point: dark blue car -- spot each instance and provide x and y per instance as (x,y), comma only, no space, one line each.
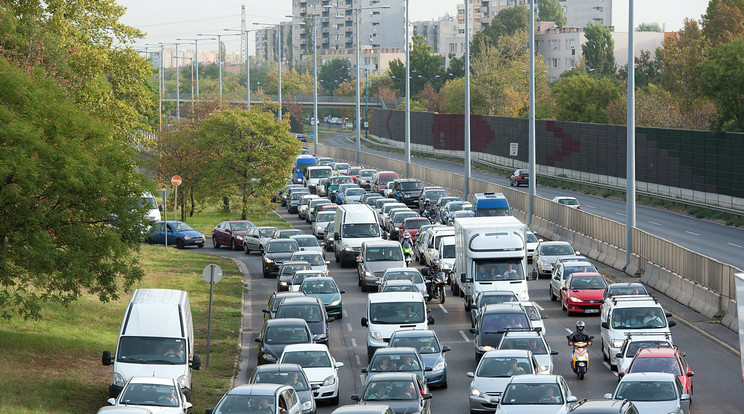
(431,350)
(180,234)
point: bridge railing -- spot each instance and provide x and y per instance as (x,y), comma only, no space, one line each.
(322,99)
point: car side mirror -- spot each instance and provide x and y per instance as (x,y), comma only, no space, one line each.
(620,374)
(668,314)
(564,288)
(160,207)
(577,253)
(209,410)
(571,399)
(111,401)
(672,323)
(258,339)
(339,364)
(606,325)
(342,291)
(365,322)
(690,374)
(543,316)
(474,331)
(335,236)
(315,387)
(591,337)
(327,262)
(355,397)
(195,362)
(266,311)
(106,358)
(470,375)
(187,405)
(601,301)
(330,319)
(359,260)
(427,396)
(608,396)
(685,397)
(430,320)
(428,369)
(552,352)
(364,370)
(446,348)
(494,400)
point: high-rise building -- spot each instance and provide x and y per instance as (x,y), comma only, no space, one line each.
(436,31)
(578,12)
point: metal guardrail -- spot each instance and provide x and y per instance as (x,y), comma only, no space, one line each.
(304,99)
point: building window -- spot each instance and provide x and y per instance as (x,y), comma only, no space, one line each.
(554,44)
(538,45)
(565,9)
(453,48)
(571,63)
(553,63)
(599,9)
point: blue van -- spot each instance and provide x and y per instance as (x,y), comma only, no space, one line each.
(303,161)
(490,204)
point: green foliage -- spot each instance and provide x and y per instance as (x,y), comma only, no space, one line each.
(649,27)
(679,58)
(551,11)
(584,98)
(457,66)
(507,22)
(424,64)
(599,49)
(335,70)
(722,79)
(69,212)
(724,21)
(454,96)
(647,69)
(415,105)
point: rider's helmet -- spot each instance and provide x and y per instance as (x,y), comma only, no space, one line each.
(580,326)
(406,235)
(427,201)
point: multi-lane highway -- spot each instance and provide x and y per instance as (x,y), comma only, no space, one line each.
(713,239)
(717,381)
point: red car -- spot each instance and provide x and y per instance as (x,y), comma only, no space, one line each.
(669,360)
(354,173)
(328,207)
(583,292)
(412,226)
(230,233)
(382,178)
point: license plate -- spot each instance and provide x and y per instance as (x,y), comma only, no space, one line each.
(199,241)
(591,310)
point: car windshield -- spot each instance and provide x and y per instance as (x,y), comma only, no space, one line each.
(582,268)
(435,195)
(627,290)
(319,287)
(668,365)
(297,196)
(342,166)
(492,212)
(179,226)
(536,345)
(157,395)
(325,217)
(290,269)
(397,312)
(415,224)
(588,282)
(391,390)
(495,299)
(411,185)
(285,234)
(336,181)
(503,367)
(319,173)
(355,192)
(531,238)
(459,206)
(313,259)
(367,173)
(282,247)
(495,323)
(310,313)
(569,202)
(522,394)
(634,346)
(300,277)
(646,391)
(361,231)
(556,250)
(398,219)
(639,318)
(151,350)
(498,269)
(424,344)
(286,335)
(532,312)
(240,226)
(448,252)
(412,275)
(307,359)
(384,254)
(399,288)
(266,232)
(243,404)
(293,379)
(307,241)
(148,203)
(387,178)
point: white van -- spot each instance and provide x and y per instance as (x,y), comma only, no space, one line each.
(156,340)
(153,211)
(388,312)
(354,224)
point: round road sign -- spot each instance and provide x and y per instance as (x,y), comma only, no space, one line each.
(176,180)
(207,273)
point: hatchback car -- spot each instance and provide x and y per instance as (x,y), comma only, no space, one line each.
(312,311)
(314,257)
(536,393)
(160,395)
(230,233)
(411,225)
(404,392)
(583,293)
(571,202)
(275,253)
(179,234)
(276,334)
(520,177)
(320,368)
(351,195)
(381,180)
(635,341)
(492,322)
(407,190)
(562,270)
(395,223)
(490,297)
(431,352)
(459,214)
(275,299)
(287,272)
(325,289)
(255,238)
(321,222)
(493,373)
(287,233)
(258,398)
(395,359)
(451,207)
(533,341)
(365,178)
(328,236)
(300,276)
(652,393)
(287,374)
(662,359)
(398,286)
(546,253)
(375,257)
(406,273)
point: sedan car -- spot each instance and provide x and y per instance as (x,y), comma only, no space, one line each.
(258,398)
(396,359)
(670,360)
(405,393)
(493,373)
(287,233)
(395,223)
(300,276)
(562,270)
(520,177)
(325,289)
(536,394)
(571,202)
(287,272)
(320,368)
(398,286)
(287,374)
(275,299)
(411,225)
(533,341)
(431,352)
(490,297)
(159,395)
(312,311)
(275,253)
(451,207)
(546,253)
(321,222)
(375,257)
(351,195)
(406,273)
(276,334)
(652,393)
(256,238)
(582,293)
(179,233)
(230,233)
(314,257)
(308,242)
(365,177)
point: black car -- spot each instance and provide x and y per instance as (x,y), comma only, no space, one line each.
(277,334)
(287,272)
(520,177)
(603,407)
(275,253)
(287,374)
(274,301)
(311,310)
(407,190)
(492,322)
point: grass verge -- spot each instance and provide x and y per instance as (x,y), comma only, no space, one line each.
(205,219)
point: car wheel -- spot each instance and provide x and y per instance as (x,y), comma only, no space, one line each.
(340,315)
(334,400)
(563,307)
(215,244)
(179,244)
(535,276)
(511,183)
(246,250)
(335,255)
(200,246)
(553,297)
(444,385)
(233,246)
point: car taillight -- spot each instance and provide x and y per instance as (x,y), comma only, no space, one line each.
(578,208)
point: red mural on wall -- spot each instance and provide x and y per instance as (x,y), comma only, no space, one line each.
(567,147)
(448,131)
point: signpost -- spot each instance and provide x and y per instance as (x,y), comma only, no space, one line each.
(176,181)
(513,150)
(211,274)
(164,193)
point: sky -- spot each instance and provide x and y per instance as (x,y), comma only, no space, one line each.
(167,20)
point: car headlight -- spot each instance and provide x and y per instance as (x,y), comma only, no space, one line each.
(299,180)
(336,302)
(182,381)
(543,368)
(524,295)
(329,381)
(267,260)
(307,405)
(187,238)
(319,337)
(439,366)
(376,335)
(283,283)
(485,348)
(574,299)
(368,274)
(268,357)
(617,344)
(475,392)
(348,248)
(239,238)
(119,380)
(319,228)
(446,266)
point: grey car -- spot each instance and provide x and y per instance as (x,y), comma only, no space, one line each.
(653,392)
(533,341)
(546,253)
(406,273)
(256,237)
(375,257)
(405,393)
(287,374)
(493,373)
(536,394)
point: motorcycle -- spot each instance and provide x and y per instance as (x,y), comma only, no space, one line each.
(408,254)
(436,281)
(580,358)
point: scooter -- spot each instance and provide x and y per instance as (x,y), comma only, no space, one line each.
(436,280)
(580,358)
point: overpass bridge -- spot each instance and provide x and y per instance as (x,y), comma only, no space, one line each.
(324,101)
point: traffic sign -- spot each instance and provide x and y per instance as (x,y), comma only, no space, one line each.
(513,149)
(212,273)
(176,180)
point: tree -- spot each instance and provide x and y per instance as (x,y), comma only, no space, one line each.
(550,11)
(70,218)
(423,62)
(250,154)
(647,69)
(507,22)
(457,66)
(335,70)
(584,98)
(679,58)
(722,80)
(599,49)
(649,27)
(454,96)
(723,22)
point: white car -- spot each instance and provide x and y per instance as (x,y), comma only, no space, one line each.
(535,394)
(531,242)
(320,368)
(546,253)
(321,222)
(493,373)
(316,259)
(308,243)
(568,201)
(653,392)
(405,273)
(159,395)
(534,342)
(533,313)
(634,342)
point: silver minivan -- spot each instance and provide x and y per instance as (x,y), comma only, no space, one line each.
(375,257)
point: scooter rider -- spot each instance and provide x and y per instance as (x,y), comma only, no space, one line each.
(579,335)
(406,242)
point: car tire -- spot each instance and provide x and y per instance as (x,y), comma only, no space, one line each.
(444,385)
(553,297)
(180,244)
(201,246)
(233,245)
(602,347)
(246,250)
(511,183)
(563,307)
(215,244)
(340,315)
(334,400)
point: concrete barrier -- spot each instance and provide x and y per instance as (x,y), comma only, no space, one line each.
(685,293)
(705,301)
(650,276)
(593,251)
(602,254)
(730,318)
(664,282)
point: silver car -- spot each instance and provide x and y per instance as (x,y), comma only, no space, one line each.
(406,273)
(535,394)
(653,392)
(546,253)
(493,373)
(533,341)
(375,257)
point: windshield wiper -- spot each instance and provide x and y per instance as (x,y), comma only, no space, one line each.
(159,361)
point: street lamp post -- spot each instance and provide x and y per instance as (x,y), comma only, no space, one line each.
(219,53)
(247,66)
(630,213)
(278,62)
(178,89)
(366,104)
(196,60)
(531,144)
(467,102)
(160,88)
(315,79)
(428,104)
(191,63)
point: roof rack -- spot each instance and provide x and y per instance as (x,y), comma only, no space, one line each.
(631,298)
(507,330)
(667,335)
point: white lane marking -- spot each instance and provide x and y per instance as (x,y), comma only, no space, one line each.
(353,342)
(605,363)
(539,307)
(348,326)
(620,214)
(361,378)
(465,337)
(588,206)
(346,315)
(689,232)
(569,331)
(358,361)
(443,309)
(735,245)
(654,223)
